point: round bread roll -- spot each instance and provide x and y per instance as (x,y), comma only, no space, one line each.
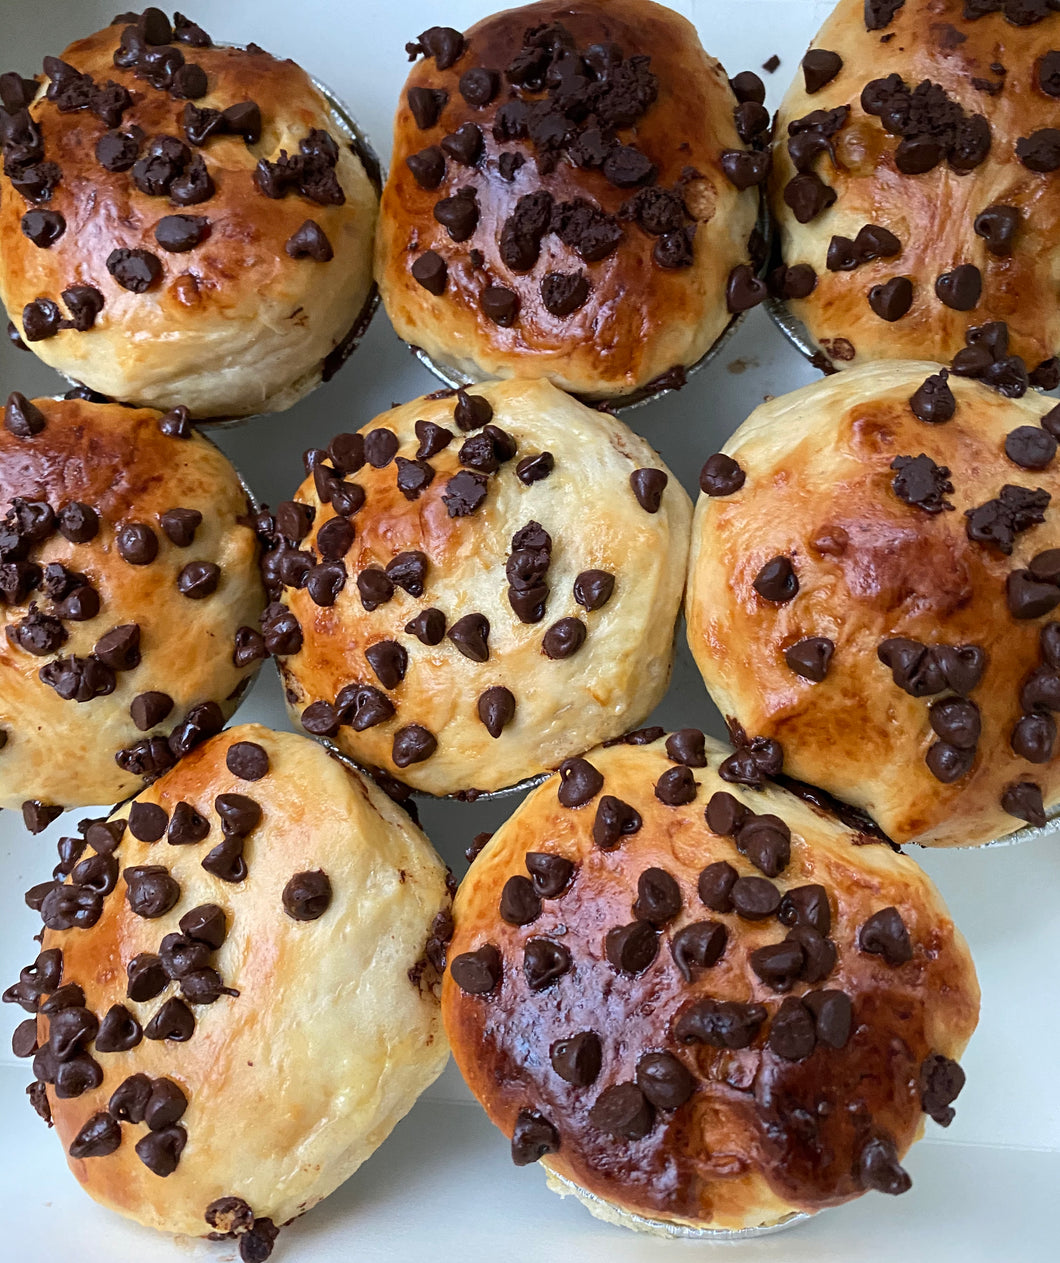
(571,197)
(698,1004)
(475,586)
(230,1021)
(182,223)
(874,563)
(131,593)
(914,183)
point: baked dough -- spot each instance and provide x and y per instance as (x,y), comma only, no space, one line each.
(926,176)
(276,1090)
(245,307)
(543,273)
(129,567)
(845,495)
(681,1061)
(491,623)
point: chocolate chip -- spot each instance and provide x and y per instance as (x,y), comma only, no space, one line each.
(180,525)
(464,493)
(472,411)
(878,1167)
(160,1151)
(137,544)
(622,1111)
(632,948)
(187,827)
(428,626)
(807,196)
(247,760)
(380,447)
(458,214)
(309,241)
(470,635)
(464,145)
(753,898)
(933,402)
(198,580)
(176,424)
(426,105)
(134,270)
(891,300)
(997,226)
(544,962)
(810,658)
(960,289)
(614,820)
(43,228)
(1040,151)
(194,186)
(532,1137)
(442,43)
(496,709)
(165,1106)
(307,896)
(777,580)
(658,896)
(40,319)
(564,638)
(676,787)
(206,924)
(375,588)
(24,419)
(820,67)
(778,965)
(84,303)
(941,1081)
(361,706)
(920,483)
(577,1060)
(792,1033)
(100,1136)
(229,1215)
(956,721)
(744,290)
(551,874)
(1030,447)
(720,1024)
(151,890)
(648,486)
(1034,738)
(1046,375)
(1024,801)
(716,883)
(432,272)
(180,233)
(226,861)
(149,709)
(766,841)
(500,305)
(885,934)
(721,476)
(478,972)
(413,744)
(1029,598)
(580,782)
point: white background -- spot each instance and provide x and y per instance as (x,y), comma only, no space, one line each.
(443,1187)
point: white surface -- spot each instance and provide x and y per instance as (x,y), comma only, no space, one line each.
(443,1187)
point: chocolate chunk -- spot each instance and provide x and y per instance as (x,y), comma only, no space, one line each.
(622,1111)
(627,167)
(496,709)
(720,1024)
(658,896)
(551,874)
(960,289)
(632,948)
(614,820)
(413,744)
(941,1081)
(891,300)
(520,904)
(885,934)
(135,270)
(580,782)
(464,493)
(1040,151)
(100,1136)
(920,483)
(721,476)
(544,962)
(586,229)
(532,1137)
(777,581)
(1024,801)
(933,402)
(226,860)
(699,944)
(38,634)
(470,635)
(151,890)
(478,972)
(577,1060)
(307,896)
(878,1167)
(247,760)
(24,419)
(997,226)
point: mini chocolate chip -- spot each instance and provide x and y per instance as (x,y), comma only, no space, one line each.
(413,744)
(160,1151)
(753,898)
(100,1136)
(997,225)
(544,962)
(478,972)
(721,476)
(878,1167)
(551,874)
(564,638)
(885,934)
(174,1021)
(720,1024)
(699,944)
(428,626)
(470,635)
(658,896)
(580,782)
(941,1081)
(614,820)
(1024,801)
(24,419)
(891,300)
(777,581)
(496,709)
(532,1137)
(632,948)
(180,233)
(135,270)
(307,896)
(247,760)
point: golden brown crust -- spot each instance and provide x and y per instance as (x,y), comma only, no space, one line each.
(283,1104)
(118,462)
(761,1135)
(588,508)
(235,325)
(640,320)
(989,67)
(819,490)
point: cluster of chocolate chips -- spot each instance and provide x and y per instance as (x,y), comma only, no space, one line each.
(584,97)
(801,1023)
(1034,734)
(148,48)
(321,568)
(310,172)
(986,358)
(231,1218)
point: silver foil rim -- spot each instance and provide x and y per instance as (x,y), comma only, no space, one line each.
(794,330)
(667,1227)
